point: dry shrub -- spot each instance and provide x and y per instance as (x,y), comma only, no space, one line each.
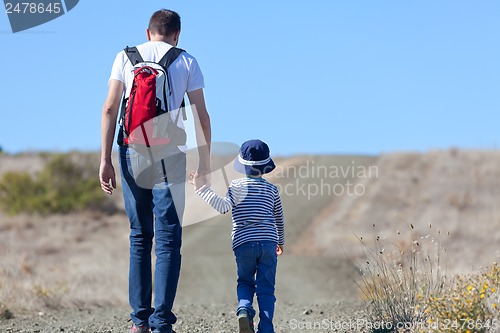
(5,313)
(406,288)
(398,275)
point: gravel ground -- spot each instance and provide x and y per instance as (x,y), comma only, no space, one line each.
(317,318)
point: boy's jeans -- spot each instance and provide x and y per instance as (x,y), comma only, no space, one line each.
(149,202)
(256,263)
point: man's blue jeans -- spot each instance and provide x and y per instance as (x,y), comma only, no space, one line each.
(154,202)
(256,263)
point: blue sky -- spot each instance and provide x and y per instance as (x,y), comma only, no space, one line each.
(361,77)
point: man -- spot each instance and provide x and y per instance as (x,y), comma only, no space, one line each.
(157,209)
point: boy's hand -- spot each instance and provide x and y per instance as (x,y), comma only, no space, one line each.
(203,177)
(196,180)
(279,250)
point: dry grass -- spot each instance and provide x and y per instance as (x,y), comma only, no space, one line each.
(398,271)
(62,261)
(405,285)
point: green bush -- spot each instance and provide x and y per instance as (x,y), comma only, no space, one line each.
(65,184)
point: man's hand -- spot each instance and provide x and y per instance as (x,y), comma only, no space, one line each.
(107,177)
(198,179)
(280,249)
(205,174)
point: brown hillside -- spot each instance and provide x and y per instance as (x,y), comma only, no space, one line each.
(456,192)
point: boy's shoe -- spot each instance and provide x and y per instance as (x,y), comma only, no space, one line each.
(245,323)
(139,329)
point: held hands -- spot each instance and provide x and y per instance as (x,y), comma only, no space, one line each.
(198,180)
(280,249)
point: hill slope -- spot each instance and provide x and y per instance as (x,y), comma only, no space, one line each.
(457,192)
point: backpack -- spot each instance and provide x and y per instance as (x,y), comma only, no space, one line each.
(145,121)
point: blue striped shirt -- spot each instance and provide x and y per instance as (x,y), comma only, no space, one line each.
(256,208)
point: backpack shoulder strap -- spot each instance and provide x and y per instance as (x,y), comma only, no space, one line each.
(166,61)
(133,55)
(170,56)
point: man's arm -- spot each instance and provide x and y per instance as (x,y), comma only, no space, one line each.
(203,132)
(107,175)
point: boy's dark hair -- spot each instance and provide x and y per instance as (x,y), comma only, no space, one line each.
(164,22)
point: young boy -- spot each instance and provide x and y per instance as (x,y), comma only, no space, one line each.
(258,232)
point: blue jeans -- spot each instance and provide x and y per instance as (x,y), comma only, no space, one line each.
(154,202)
(256,263)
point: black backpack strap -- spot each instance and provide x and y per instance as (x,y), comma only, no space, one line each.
(121,119)
(133,55)
(166,61)
(183,107)
(170,56)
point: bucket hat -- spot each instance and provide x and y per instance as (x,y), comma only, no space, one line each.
(254,159)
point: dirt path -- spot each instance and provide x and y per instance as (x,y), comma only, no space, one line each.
(193,318)
(310,289)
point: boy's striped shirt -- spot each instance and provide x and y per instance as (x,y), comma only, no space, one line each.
(256,207)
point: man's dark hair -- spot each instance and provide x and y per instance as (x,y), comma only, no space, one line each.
(164,22)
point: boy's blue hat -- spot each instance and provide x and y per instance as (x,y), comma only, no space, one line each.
(254,159)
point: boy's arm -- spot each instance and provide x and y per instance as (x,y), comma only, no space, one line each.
(278,216)
(222,205)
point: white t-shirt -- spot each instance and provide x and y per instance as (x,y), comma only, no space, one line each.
(184,73)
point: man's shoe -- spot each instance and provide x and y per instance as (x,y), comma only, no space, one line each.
(139,329)
(245,323)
